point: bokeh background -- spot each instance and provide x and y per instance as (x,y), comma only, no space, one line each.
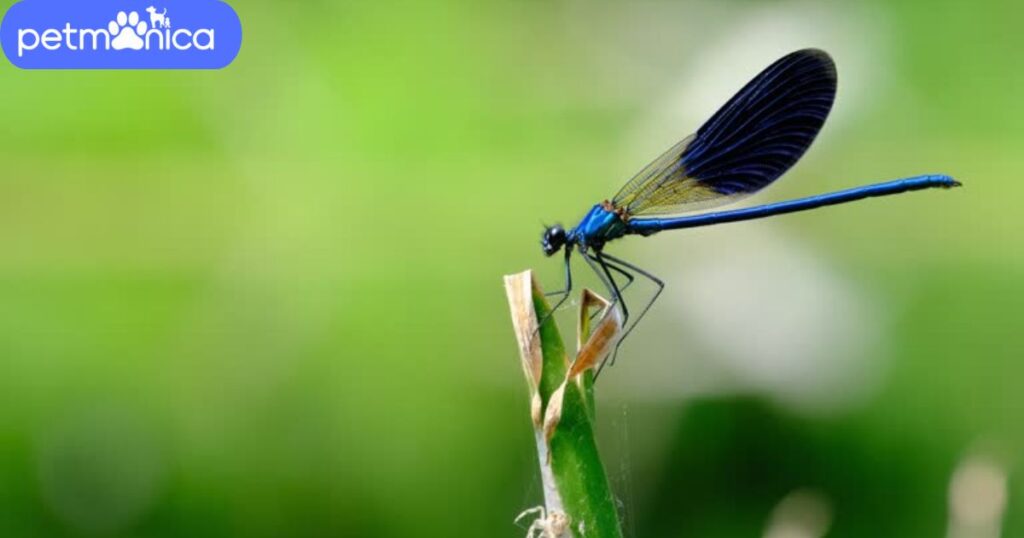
(267,301)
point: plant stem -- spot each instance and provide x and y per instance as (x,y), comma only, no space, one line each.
(575,483)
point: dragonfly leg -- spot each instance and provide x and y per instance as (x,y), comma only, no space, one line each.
(620,266)
(563,292)
(568,281)
(612,260)
(629,278)
(606,278)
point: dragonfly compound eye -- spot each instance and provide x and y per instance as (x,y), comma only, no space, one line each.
(553,239)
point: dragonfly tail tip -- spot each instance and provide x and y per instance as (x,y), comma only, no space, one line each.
(949,182)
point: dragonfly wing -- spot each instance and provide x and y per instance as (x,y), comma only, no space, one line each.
(751,141)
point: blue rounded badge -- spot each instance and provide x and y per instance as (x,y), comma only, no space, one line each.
(120,34)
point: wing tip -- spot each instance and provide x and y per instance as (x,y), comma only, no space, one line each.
(820,56)
(815,52)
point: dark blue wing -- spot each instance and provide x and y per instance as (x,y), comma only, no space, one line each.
(751,141)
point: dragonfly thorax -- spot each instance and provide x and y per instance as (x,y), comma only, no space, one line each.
(601,224)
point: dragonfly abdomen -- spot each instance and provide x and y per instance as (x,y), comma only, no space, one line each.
(649,226)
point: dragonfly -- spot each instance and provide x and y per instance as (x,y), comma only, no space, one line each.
(759,134)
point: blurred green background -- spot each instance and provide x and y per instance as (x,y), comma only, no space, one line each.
(267,301)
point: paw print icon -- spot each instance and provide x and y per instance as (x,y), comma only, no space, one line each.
(127,31)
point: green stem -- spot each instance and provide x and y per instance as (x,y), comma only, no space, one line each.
(568,455)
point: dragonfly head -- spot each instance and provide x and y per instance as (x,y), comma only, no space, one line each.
(553,239)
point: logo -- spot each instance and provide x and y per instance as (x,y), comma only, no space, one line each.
(121,34)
